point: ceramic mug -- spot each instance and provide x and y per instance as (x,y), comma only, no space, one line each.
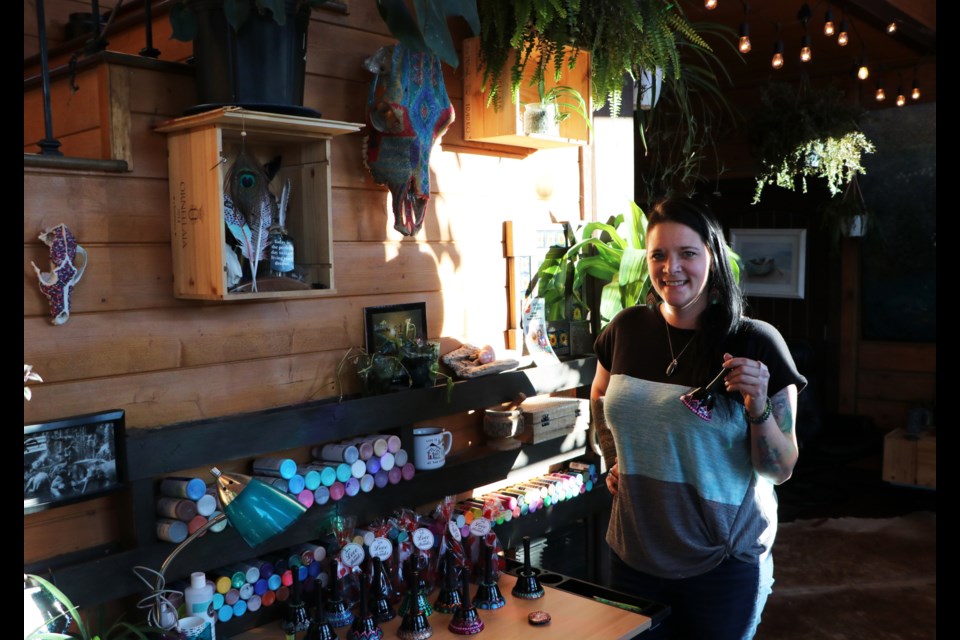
(430,447)
(194,627)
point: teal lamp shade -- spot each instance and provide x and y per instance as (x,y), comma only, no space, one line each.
(255,509)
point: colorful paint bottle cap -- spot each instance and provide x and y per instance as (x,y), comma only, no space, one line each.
(177,508)
(373,465)
(366,450)
(220,524)
(388,461)
(311,477)
(246,591)
(260,587)
(366,483)
(195,524)
(254,603)
(294,561)
(314,569)
(400,458)
(172,530)
(206,505)
(394,475)
(352,487)
(296,484)
(217,599)
(380,446)
(380,479)
(283,593)
(223,583)
(337,453)
(267,599)
(275,582)
(321,495)
(305,498)
(407,471)
(358,468)
(224,613)
(178,487)
(337,491)
(251,571)
(231,596)
(275,466)
(239,608)
(328,475)
(287,578)
(265,567)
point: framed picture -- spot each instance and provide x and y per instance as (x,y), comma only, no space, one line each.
(405,320)
(774,261)
(72,459)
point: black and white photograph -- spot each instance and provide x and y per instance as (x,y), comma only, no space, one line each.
(71,459)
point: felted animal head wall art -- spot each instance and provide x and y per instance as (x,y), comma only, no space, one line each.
(68,260)
(407,110)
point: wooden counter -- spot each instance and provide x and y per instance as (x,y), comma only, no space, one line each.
(573,616)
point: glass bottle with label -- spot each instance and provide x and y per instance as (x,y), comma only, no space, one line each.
(281,251)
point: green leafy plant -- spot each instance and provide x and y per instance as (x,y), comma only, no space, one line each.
(429,31)
(119,630)
(183,20)
(805,134)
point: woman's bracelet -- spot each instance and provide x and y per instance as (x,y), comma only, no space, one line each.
(767,412)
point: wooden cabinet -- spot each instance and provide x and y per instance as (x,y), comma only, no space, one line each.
(910,460)
(505,125)
(201,149)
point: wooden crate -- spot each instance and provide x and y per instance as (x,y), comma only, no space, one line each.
(201,148)
(546,418)
(505,125)
(910,461)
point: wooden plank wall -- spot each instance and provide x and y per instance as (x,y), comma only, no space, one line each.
(129,344)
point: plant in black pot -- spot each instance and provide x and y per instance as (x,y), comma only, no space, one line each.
(247,53)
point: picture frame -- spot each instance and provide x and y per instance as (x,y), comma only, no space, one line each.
(72,459)
(393,317)
(774,261)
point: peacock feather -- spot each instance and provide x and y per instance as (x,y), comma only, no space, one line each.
(252,207)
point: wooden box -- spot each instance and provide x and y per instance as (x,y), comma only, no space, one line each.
(201,148)
(545,418)
(910,461)
(505,125)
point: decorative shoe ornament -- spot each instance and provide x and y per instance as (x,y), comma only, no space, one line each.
(67,263)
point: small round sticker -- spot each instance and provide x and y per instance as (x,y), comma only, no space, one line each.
(423,539)
(454,531)
(480,527)
(381,548)
(352,554)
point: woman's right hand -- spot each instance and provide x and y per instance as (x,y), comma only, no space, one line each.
(613,479)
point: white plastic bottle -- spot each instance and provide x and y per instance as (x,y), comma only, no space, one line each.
(198,600)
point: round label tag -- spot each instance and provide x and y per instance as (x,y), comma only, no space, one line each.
(480,527)
(454,531)
(423,539)
(352,554)
(381,548)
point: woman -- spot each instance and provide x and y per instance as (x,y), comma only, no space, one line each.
(694,510)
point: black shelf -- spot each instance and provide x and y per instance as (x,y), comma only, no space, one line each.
(155,452)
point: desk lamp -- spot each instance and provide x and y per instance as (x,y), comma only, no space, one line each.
(256,510)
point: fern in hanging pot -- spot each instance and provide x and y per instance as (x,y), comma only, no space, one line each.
(807,134)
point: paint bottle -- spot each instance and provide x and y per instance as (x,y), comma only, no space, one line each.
(337,453)
(311,476)
(206,505)
(177,487)
(388,461)
(198,599)
(177,508)
(400,458)
(171,530)
(275,467)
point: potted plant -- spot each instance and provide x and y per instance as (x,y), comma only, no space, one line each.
(807,134)
(847,215)
(556,105)
(252,53)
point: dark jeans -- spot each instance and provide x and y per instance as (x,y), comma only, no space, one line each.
(722,604)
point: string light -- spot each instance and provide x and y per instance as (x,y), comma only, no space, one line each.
(892,28)
(844,36)
(901,99)
(881,95)
(709,5)
(829,28)
(745,45)
(777,61)
(863,71)
(804,16)
(806,54)
(915,92)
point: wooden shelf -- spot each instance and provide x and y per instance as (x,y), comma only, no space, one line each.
(505,126)
(155,452)
(200,143)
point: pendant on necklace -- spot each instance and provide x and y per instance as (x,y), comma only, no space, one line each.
(671,367)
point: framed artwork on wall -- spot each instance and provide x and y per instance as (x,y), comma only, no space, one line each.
(408,320)
(72,459)
(774,261)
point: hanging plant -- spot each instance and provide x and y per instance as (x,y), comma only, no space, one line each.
(807,134)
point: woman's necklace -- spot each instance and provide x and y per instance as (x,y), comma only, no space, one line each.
(673,362)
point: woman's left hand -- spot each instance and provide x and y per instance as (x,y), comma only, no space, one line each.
(750,378)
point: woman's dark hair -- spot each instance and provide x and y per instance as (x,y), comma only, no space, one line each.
(725,307)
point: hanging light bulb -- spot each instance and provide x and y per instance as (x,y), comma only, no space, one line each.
(709,5)
(844,36)
(881,95)
(777,61)
(863,71)
(901,99)
(745,45)
(892,27)
(915,91)
(829,27)
(805,53)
